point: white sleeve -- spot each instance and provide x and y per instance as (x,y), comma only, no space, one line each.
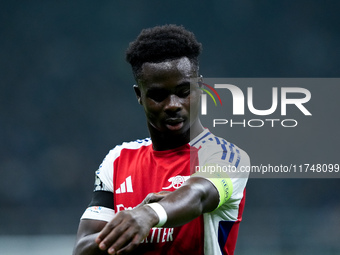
(104,175)
(103,182)
(98,213)
(214,164)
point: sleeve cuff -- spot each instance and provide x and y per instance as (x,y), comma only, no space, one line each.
(98,213)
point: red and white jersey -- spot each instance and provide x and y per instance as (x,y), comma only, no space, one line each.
(133,170)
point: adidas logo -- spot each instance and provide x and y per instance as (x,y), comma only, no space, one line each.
(126,186)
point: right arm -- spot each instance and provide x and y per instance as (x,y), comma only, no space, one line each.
(97,215)
(99,212)
(87,233)
(89,229)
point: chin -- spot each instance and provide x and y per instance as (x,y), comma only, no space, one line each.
(180,132)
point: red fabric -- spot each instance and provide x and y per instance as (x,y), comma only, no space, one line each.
(150,171)
(230,245)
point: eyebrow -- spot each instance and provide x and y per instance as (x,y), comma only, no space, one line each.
(184,84)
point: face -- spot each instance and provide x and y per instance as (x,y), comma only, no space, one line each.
(165,92)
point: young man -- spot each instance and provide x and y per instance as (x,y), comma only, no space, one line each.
(148,197)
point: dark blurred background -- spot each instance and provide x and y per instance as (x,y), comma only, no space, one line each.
(66,99)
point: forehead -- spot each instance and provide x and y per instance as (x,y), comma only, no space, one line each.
(171,71)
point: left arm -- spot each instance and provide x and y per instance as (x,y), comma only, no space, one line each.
(196,196)
(125,232)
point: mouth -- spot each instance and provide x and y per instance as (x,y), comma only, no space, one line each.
(174,124)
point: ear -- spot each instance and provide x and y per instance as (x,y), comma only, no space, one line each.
(138,94)
(200,81)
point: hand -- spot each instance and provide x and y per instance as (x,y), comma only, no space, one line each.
(127,230)
(154,197)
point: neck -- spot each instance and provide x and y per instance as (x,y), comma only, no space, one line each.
(164,141)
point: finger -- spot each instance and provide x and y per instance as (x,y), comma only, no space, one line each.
(145,201)
(130,238)
(111,238)
(107,229)
(155,197)
(150,198)
(163,192)
(132,245)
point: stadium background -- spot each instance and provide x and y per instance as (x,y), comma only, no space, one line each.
(66,98)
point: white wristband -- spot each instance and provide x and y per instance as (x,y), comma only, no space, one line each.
(161,213)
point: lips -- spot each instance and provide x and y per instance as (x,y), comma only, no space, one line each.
(174,123)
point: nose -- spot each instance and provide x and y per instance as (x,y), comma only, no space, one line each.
(173,104)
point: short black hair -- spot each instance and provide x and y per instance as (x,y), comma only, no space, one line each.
(162,43)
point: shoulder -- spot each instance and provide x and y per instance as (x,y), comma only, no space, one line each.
(116,151)
(215,148)
(104,174)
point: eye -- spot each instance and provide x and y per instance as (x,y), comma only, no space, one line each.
(183,93)
(183,90)
(157,95)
